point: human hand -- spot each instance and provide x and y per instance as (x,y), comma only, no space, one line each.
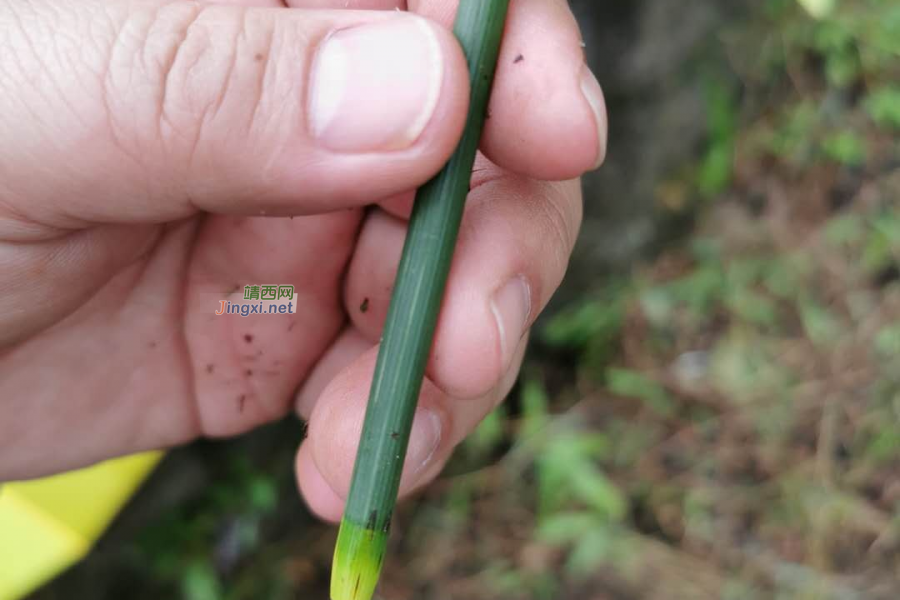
(146,149)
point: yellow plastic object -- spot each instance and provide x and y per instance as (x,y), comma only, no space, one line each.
(47,525)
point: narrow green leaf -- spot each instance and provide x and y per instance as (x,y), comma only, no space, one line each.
(411,320)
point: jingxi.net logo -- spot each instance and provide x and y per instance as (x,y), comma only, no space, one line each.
(261,300)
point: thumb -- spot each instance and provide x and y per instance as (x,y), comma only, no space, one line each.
(147,111)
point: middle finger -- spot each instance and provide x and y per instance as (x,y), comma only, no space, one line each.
(515,241)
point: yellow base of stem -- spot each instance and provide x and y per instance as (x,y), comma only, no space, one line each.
(358,557)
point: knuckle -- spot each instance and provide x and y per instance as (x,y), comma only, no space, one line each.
(178,57)
(206,66)
(142,57)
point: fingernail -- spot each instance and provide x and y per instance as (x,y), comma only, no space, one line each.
(424,440)
(511,306)
(374,87)
(592,91)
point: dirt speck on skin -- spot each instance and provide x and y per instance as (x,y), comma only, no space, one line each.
(210,368)
(242,401)
(249,372)
(248,338)
(152,345)
(364,307)
(519,59)
(292,325)
(258,57)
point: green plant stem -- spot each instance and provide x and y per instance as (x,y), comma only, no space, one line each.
(411,321)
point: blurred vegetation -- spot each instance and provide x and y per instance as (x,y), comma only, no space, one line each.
(721,420)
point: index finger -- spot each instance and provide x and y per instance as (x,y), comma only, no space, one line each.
(547,113)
